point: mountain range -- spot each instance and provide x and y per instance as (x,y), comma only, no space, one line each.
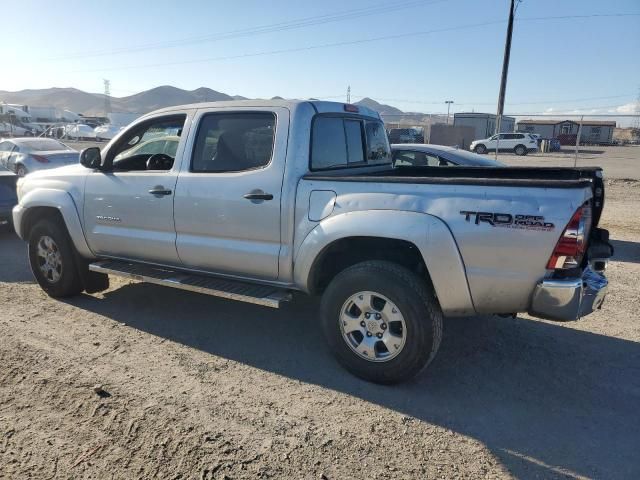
(164,96)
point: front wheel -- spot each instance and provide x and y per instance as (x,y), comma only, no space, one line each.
(381,321)
(520,150)
(480,149)
(52,259)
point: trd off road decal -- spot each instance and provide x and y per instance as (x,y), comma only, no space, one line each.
(526,222)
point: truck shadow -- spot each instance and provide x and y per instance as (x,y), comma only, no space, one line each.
(549,401)
(626,251)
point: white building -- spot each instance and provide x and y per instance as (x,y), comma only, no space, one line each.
(593,131)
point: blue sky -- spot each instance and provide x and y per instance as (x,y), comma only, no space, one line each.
(557,64)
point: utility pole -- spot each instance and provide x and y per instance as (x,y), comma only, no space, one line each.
(448,102)
(505,68)
(107,97)
(349,94)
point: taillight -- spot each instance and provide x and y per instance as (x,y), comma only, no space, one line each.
(573,241)
(40,158)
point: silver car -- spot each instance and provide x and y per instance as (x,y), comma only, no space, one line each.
(426,155)
(25,155)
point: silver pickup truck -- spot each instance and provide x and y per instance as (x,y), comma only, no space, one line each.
(254,200)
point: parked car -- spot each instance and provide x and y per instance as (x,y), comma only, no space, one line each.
(518,143)
(406,135)
(262,198)
(8,198)
(79,131)
(7,128)
(25,155)
(106,132)
(421,155)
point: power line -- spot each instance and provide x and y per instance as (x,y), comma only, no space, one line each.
(344,43)
(259,30)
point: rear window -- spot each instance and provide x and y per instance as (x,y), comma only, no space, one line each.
(340,142)
(43,145)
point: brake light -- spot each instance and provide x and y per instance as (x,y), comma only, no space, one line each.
(573,241)
(40,158)
(351,108)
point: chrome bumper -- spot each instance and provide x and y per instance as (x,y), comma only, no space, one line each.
(569,299)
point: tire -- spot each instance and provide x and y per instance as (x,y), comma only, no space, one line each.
(21,171)
(520,150)
(420,329)
(62,278)
(480,149)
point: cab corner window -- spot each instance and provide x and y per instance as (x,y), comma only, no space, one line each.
(152,146)
(338,141)
(234,142)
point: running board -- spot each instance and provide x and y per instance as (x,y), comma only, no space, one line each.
(232,289)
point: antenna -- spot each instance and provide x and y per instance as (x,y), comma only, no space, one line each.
(349,94)
(107,97)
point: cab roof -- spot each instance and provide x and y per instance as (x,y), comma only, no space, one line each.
(319,105)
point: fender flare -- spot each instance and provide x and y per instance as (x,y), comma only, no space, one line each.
(61,201)
(428,233)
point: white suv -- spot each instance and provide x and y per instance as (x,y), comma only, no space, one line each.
(518,143)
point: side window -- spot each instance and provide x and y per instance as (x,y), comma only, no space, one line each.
(233,142)
(417,159)
(140,143)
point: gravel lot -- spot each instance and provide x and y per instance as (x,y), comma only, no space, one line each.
(205,388)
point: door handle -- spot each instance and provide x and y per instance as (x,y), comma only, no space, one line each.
(259,195)
(159,191)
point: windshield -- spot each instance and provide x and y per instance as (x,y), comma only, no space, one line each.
(43,145)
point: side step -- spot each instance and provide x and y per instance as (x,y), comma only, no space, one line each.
(232,289)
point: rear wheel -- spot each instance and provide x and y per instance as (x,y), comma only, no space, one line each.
(21,171)
(52,259)
(381,321)
(480,149)
(520,150)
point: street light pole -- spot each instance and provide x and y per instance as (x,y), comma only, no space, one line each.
(448,102)
(505,68)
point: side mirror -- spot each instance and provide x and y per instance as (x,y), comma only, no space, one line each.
(90,157)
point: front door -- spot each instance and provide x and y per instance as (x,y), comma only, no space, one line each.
(128,209)
(227,204)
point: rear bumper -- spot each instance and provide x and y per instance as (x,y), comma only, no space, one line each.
(569,299)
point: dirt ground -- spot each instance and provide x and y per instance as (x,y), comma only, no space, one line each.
(205,388)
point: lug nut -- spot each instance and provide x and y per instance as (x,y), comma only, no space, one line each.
(383,326)
(362,324)
(367,315)
(379,335)
(368,334)
(378,316)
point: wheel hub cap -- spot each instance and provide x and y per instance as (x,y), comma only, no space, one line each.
(49,259)
(372,326)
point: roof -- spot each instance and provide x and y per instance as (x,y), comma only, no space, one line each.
(556,122)
(319,106)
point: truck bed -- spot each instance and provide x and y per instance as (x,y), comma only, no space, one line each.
(541,177)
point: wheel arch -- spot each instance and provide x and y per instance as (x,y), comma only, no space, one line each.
(419,241)
(45,203)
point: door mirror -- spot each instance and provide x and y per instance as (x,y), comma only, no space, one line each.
(90,157)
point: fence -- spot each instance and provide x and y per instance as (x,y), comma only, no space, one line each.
(558,136)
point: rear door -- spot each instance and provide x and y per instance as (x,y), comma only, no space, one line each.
(227,204)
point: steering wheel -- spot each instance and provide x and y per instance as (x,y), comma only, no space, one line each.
(159,161)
